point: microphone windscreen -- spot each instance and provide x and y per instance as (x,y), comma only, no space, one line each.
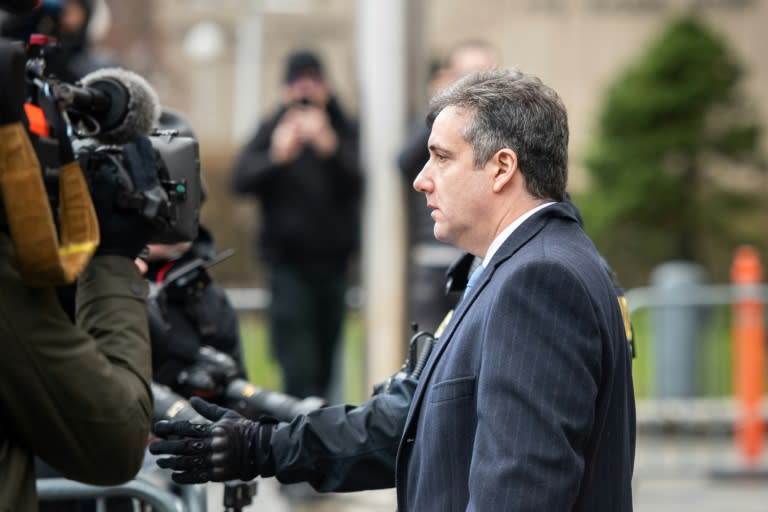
(142,111)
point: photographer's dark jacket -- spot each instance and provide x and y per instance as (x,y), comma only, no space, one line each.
(192,312)
(310,208)
(76,395)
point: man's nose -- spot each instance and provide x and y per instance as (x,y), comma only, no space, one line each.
(421,182)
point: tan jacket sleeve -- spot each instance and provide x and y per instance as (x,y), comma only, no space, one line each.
(78,396)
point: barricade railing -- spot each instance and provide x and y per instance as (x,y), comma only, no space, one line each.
(693,435)
(695,295)
(257,299)
(57,489)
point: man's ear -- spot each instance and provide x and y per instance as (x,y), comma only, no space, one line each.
(505,168)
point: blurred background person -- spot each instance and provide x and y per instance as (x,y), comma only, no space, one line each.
(189,311)
(429,259)
(69,22)
(302,166)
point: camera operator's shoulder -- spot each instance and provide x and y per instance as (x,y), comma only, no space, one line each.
(112,275)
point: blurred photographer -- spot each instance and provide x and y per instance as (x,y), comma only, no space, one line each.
(77,395)
(303,167)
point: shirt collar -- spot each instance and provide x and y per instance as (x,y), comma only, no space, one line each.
(502,237)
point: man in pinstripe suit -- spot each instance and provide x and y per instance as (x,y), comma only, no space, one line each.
(526,402)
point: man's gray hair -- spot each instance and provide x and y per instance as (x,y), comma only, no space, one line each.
(517,111)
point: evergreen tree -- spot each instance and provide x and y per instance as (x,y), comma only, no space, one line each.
(674,131)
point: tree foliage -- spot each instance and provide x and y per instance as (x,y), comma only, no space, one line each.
(674,132)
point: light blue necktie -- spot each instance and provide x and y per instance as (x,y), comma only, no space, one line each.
(473,279)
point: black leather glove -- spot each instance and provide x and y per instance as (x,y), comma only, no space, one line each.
(231,448)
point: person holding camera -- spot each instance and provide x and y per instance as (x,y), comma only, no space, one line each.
(526,402)
(302,165)
(75,394)
(189,311)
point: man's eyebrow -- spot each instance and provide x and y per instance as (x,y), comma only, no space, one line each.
(435,147)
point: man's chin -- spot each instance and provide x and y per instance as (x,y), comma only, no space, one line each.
(440,235)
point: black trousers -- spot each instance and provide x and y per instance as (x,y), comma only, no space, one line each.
(306,317)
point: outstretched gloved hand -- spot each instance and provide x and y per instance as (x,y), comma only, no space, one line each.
(230,448)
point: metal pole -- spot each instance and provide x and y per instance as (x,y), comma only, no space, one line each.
(416,60)
(381,34)
(247,73)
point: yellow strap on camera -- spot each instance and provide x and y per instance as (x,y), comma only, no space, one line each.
(42,258)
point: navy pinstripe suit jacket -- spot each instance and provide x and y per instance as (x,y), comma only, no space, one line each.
(527,401)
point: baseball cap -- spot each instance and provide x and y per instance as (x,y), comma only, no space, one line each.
(301,64)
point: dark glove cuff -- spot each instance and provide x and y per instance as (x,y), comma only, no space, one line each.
(262,455)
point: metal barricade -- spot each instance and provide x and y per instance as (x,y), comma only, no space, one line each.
(56,489)
(690,437)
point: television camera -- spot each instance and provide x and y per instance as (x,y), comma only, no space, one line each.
(105,118)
